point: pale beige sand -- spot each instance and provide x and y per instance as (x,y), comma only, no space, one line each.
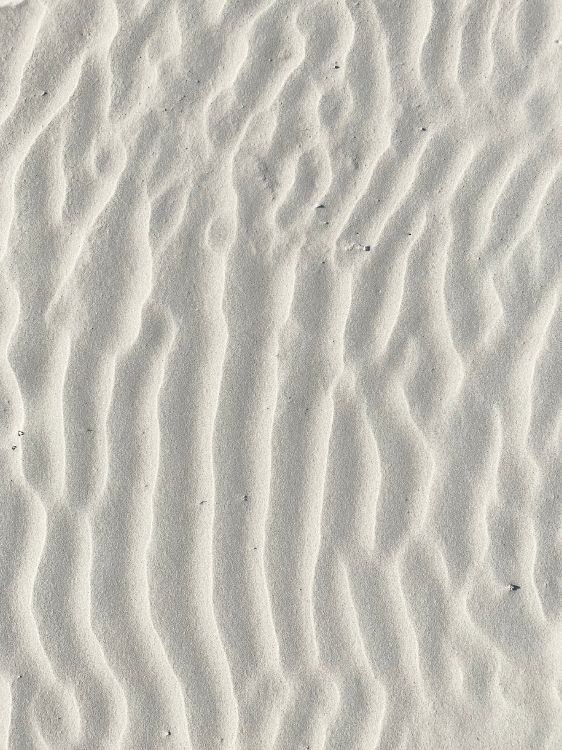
(280,374)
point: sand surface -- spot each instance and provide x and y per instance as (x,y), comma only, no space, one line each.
(280,374)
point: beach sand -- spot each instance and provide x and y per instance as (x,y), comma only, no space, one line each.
(280,374)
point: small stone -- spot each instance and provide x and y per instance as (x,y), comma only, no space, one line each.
(514,587)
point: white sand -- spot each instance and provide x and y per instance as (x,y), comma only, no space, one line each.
(280,374)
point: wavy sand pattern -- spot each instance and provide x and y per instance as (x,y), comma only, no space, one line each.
(280,372)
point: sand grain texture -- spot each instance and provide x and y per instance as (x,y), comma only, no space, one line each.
(280,374)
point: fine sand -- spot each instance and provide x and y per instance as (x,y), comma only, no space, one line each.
(281,374)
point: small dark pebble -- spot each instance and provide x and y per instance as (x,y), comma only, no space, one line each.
(20,433)
(321,206)
(14,447)
(245,498)
(367,248)
(336,66)
(424,130)
(514,587)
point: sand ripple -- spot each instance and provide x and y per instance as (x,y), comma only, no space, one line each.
(280,376)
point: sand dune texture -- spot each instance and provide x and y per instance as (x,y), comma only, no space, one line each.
(280,374)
